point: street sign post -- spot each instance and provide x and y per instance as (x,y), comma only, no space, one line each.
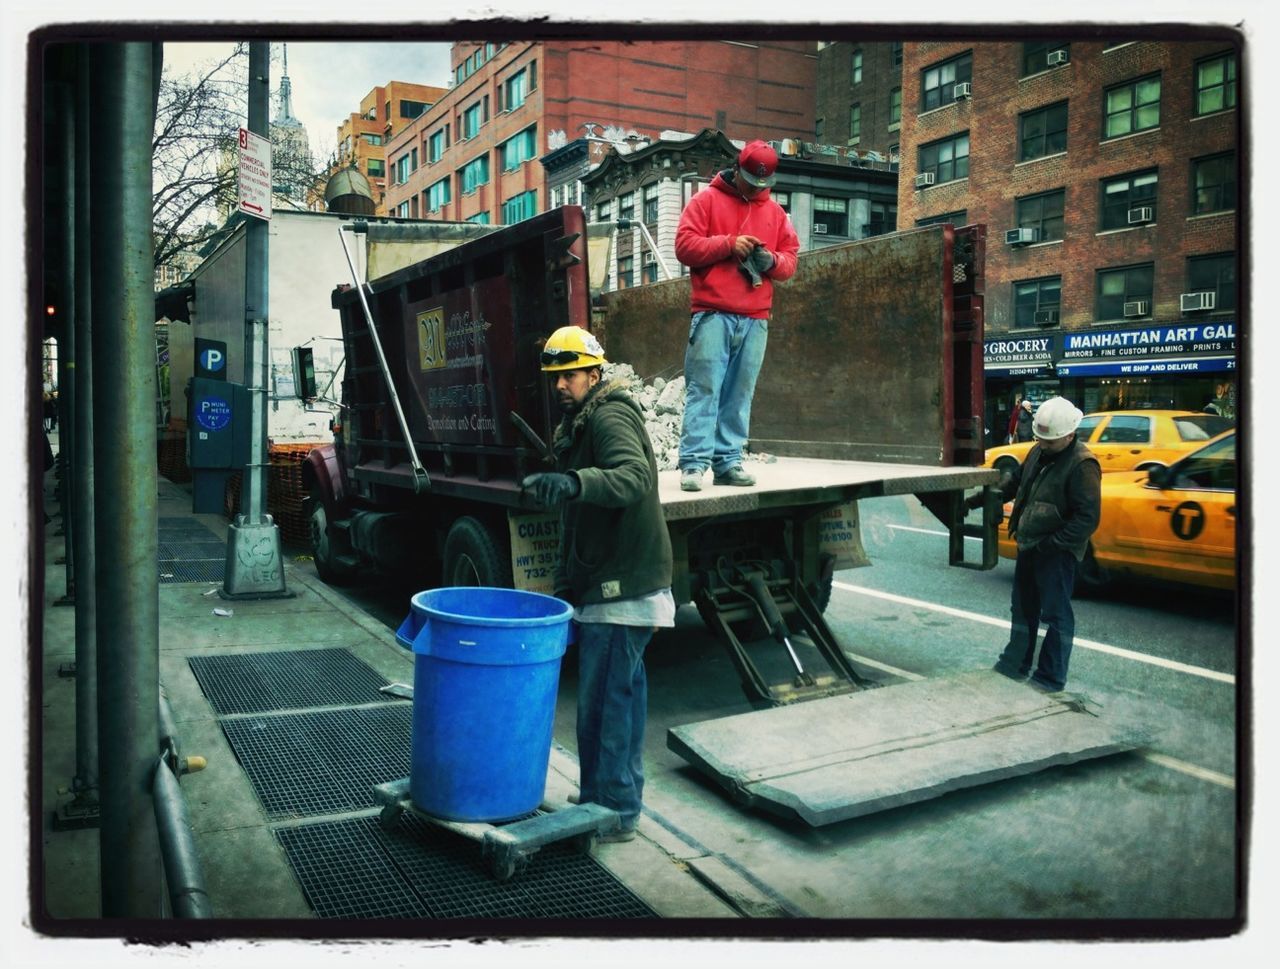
(255,175)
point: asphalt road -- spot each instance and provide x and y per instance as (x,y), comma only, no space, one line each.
(1150,836)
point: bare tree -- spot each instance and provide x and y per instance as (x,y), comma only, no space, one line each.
(194,154)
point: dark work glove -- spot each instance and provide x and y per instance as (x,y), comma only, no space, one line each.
(550,489)
(756,264)
(974,501)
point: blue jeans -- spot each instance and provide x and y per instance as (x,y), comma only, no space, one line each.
(721,364)
(1042,584)
(613,700)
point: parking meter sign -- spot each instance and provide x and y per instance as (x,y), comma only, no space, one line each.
(255,175)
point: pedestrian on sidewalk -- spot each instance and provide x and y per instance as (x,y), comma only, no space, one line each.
(615,565)
(736,241)
(1058,503)
(1025,421)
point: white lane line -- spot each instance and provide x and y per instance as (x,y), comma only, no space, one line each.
(1200,773)
(930,531)
(885,667)
(1082,643)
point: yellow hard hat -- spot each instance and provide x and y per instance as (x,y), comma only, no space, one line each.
(571,348)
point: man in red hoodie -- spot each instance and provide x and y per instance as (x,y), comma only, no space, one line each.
(736,241)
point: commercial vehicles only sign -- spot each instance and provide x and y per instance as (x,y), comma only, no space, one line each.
(255,175)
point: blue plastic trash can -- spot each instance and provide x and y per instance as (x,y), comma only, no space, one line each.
(486,671)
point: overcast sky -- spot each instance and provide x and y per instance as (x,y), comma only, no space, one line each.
(329,79)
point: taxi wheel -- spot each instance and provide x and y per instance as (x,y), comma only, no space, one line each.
(1090,576)
(1006,465)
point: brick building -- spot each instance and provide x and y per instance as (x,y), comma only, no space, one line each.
(1106,173)
(860,95)
(473,156)
(363,136)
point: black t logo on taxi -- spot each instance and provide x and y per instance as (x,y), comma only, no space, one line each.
(1187,520)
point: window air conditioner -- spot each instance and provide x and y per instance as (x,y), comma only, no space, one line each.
(1144,213)
(1045,317)
(819,228)
(1194,302)
(1057,57)
(962,90)
(1020,237)
(1139,307)
(924,179)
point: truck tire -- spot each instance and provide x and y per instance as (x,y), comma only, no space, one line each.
(330,570)
(475,555)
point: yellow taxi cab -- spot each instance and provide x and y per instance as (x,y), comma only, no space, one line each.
(1176,523)
(1127,440)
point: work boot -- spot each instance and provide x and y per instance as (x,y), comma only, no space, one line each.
(735,476)
(615,837)
(690,479)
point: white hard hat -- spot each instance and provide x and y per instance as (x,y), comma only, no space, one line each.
(1056,417)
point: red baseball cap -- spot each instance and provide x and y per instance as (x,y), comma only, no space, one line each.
(757,164)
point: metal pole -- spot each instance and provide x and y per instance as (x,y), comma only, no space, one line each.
(254,565)
(125,510)
(86,779)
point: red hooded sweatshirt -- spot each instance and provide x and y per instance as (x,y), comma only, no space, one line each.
(709,224)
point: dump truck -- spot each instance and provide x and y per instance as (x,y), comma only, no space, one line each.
(872,387)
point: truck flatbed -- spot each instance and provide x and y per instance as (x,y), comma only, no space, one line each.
(810,481)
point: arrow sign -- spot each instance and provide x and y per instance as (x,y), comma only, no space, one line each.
(254,187)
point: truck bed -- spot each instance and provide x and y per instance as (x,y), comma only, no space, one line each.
(805,481)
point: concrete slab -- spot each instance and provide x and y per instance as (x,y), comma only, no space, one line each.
(843,757)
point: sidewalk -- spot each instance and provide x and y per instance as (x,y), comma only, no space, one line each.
(247,873)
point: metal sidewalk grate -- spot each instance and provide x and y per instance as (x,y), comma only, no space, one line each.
(323,762)
(265,682)
(189,552)
(344,868)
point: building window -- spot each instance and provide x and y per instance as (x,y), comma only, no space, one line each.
(1215,274)
(855,75)
(437,143)
(412,109)
(650,193)
(438,194)
(1037,302)
(480,218)
(514,92)
(1042,132)
(1134,106)
(627,206)
(413,204)
(519,148)
(1036,55)
(471,121)
(819,127)
(533,75)
(895,106)
(626,272)
(830,216)
(602,212)
(474,173)
(1122,196)
(1043,212)
(1213,179)
(955,218)
(948,159)
(376,167)
(937,83)
(884,218)
(855,124)
(1130,285)
(650,268)
(372,139)
(1216,84)
(783,199)
(522,206)
(403,210)
(413,159)
(402,169)
(897,53)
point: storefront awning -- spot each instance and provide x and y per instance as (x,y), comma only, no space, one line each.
(1145,367)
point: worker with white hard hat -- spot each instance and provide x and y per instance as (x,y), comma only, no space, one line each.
(1057,503)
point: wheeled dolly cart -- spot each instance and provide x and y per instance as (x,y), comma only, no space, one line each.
(506,848)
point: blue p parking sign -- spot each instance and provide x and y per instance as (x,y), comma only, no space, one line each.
(213,413)
(211,359)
